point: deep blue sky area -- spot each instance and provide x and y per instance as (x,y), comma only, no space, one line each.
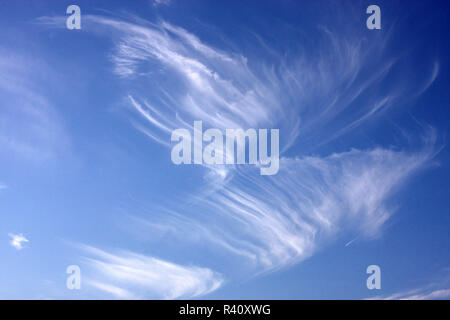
(87,179)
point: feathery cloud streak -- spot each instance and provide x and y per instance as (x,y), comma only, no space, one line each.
(281,220)
(315,95)
(273,221)
(128,275)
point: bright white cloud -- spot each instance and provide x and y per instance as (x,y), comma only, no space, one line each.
(127,275)
(17,240)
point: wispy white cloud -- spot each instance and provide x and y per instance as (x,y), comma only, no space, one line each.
(115,291)
(433,295)
(434,290)
(17,240)
(317,95)
(417,294)
(320,95)
(274,221)
(278,221)
(128,275)
(205,83)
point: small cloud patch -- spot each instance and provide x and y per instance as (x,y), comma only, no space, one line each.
(17,240)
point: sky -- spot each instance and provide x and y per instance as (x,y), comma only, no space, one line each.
(87,180)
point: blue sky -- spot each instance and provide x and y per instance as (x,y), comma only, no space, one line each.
(87,179)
